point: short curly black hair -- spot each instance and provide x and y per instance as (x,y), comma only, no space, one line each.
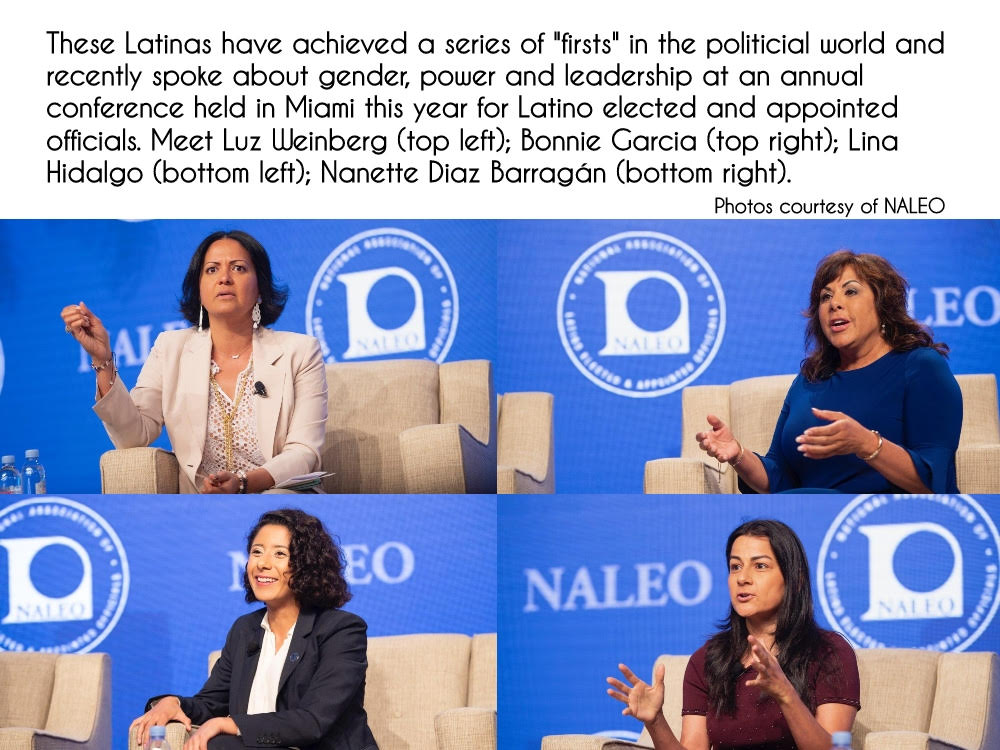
(273,296)
(315,559)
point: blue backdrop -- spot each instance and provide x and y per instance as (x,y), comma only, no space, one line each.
(589,581)
(130,274)
(162,577)
(577,308)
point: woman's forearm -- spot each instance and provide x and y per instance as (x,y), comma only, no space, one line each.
(751,470)
(896,465)
(662,736)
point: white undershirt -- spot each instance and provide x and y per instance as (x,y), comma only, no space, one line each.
(264,691)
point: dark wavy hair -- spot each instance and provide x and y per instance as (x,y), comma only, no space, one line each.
(315,560)
(272,295)
(798,638)
(901,332)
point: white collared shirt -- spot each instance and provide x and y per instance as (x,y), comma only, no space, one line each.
(264,691)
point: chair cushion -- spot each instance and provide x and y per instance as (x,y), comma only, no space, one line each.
(26,688)
(370,403)
(897,690)
(410,679)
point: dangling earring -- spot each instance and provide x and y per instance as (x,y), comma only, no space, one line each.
(255,315)
(200,311)
(883,330)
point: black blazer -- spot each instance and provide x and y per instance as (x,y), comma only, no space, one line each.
(321,694)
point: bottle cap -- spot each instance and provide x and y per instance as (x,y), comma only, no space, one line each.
(157,733)
(31,453)
(7,459)
(841,739)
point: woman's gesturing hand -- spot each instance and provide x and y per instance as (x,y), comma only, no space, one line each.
(718,442)
(842,436)
(770,676)
(643,701)
(166,709)
(88,330)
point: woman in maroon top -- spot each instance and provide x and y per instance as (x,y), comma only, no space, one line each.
(770,679)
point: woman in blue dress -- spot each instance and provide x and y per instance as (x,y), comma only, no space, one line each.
(874,408)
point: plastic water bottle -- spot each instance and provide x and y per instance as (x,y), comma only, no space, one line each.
(10,477)
(157,739)
(33,473)
(841,741)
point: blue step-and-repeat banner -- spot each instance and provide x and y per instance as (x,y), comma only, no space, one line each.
(156,582)
(617,317)
(589,581)
(365,289)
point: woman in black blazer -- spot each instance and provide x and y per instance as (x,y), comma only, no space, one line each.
(292,674)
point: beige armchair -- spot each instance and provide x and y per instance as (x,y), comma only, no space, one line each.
(910,700)
(394,426)
(751,408)
(422,692)
(525,447)
(55,701)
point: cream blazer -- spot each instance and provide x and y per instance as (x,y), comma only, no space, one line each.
(173,391)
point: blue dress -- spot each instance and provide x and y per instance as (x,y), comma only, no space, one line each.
(911,398)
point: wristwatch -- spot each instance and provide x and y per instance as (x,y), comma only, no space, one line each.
(242,476)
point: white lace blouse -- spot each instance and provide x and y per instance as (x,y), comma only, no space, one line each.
(234,449)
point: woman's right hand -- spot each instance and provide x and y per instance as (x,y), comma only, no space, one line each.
(718,442)
(168,708)
(643,701)
(88,330)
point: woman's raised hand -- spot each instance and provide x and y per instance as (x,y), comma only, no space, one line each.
(770,676)
(88,330)
(842,436)
(643,701)
(166,709)
(718,442)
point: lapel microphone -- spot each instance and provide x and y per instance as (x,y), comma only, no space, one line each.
(253,648)
(259,389)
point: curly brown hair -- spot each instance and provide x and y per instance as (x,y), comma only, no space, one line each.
(316,562)
(901,331)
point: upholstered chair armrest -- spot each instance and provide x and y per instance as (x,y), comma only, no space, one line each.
(906,741)
(686,476)
(587,742)
(511,481)
(978,468)
(139,471)
(466,729)
(525,442)
(176,735)
(39,739)
(446,458)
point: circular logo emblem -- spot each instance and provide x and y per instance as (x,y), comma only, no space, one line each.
(910,571)
(641,314)
(65,575)
(383,293)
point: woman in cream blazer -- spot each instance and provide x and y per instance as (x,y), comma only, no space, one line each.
(229,293)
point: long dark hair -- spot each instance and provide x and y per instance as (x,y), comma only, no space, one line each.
(901,332)
(798,638)
(315,560)
(273,296)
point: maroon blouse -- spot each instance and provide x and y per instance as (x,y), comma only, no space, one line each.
(758,723)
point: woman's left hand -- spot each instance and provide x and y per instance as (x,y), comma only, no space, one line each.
(770,676)
(841,437)
(225,483)
(208,730)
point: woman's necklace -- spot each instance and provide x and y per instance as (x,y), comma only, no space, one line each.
(241,352)
(229,412)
